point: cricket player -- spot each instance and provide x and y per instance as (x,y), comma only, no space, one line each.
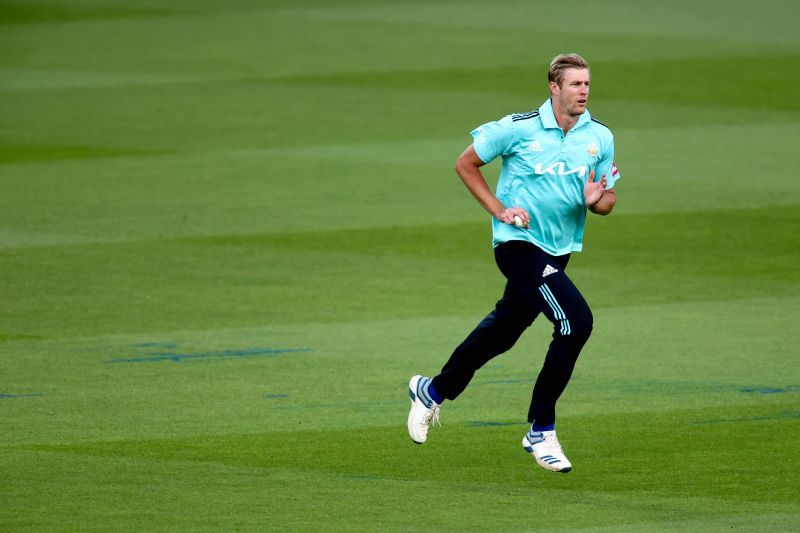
(558,162)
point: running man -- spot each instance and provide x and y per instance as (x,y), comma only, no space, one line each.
(558,162)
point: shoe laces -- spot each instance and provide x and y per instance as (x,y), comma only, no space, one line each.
(552,442)
(431,416)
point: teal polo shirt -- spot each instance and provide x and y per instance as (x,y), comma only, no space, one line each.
(544,171)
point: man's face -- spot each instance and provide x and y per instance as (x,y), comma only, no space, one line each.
(573,93)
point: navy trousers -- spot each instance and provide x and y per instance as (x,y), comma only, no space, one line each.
(536,283)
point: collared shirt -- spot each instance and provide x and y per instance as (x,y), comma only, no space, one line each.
(544,171)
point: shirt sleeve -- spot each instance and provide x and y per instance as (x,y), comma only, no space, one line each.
(606,167)
(493,139)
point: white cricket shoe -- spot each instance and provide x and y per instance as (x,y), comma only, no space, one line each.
(424,411)
(545,448)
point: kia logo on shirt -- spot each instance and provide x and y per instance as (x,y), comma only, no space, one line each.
(559,169)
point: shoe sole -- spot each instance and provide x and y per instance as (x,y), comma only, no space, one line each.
(409,426)
(413,397)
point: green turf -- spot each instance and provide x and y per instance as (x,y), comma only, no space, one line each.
(231,231)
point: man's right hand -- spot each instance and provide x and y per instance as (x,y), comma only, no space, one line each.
(507,216)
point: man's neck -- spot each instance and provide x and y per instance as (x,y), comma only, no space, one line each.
(565,121)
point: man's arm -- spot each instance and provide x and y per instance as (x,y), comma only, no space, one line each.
(468,169)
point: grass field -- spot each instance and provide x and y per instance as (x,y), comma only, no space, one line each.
(230,232)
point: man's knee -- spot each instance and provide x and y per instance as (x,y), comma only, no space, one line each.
(577,326)
(585,324)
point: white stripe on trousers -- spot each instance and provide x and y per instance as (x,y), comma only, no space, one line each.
(557,311)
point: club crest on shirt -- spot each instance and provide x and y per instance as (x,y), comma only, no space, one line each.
(592,149)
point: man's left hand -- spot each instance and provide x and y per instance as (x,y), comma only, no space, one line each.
(593,190)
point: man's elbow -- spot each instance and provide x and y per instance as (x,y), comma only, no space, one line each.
(464,166)
(602,210)
(468,162)
(605,205)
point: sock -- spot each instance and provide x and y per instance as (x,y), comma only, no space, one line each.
(435,396)
(537,428)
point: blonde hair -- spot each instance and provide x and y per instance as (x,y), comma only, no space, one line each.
(562,62)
